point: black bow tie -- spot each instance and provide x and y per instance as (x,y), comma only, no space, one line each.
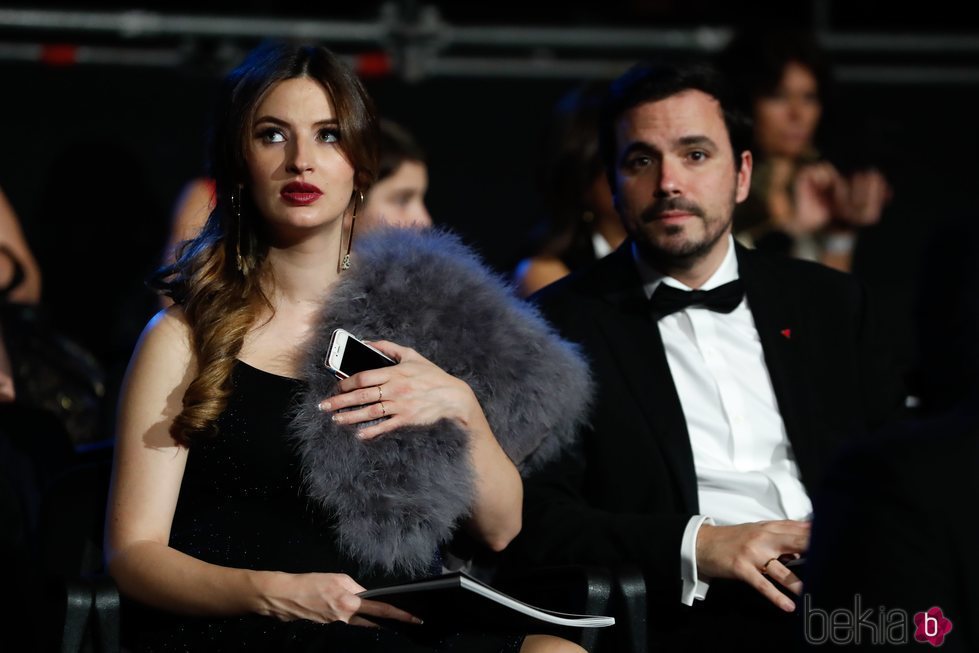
(723,299)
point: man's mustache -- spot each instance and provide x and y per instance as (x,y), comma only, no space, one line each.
(654,210)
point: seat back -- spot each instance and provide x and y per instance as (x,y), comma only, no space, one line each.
(81,612)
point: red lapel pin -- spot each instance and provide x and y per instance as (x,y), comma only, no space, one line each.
(787,334)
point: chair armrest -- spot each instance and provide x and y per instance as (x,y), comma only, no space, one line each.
(630,609)
(90,615)
(572,589)
(77,605)
(107,613)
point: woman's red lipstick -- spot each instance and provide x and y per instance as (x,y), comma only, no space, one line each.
(300,193)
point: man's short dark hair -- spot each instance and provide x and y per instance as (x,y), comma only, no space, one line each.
(650,82)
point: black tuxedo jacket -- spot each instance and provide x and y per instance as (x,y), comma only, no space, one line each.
(626,493)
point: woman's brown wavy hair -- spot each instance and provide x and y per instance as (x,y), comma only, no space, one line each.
(221,301)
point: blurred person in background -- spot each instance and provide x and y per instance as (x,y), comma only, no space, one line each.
(20,281)
(20,276)
(397,198)
(800,203)
(34,446)
(581,224)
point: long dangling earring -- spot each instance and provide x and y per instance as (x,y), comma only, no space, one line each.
(236,212)
(345,261)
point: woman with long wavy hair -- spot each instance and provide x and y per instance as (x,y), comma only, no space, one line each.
(249,487)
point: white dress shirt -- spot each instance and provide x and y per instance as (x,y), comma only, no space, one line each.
(600,245)
(746,471)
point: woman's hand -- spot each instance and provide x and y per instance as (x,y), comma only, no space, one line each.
(418,392)
(817,189)
(868,193)
(323,598)
(413,392)
(823,194)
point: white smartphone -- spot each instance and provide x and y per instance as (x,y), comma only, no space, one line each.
(348,355)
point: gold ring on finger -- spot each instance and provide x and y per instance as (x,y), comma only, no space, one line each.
(764,567)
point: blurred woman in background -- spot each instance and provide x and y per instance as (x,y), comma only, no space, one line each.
(581,224)
(800,204)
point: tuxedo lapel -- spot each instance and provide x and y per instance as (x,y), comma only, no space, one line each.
(636,346)
(778,317)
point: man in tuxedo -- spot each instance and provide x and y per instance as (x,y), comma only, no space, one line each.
(725,380)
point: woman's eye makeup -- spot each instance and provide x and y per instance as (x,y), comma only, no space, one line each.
(329,135)
(271,135)
(277,135)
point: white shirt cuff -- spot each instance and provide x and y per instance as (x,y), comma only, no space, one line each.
(693,587)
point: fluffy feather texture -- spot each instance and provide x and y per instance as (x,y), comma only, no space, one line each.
(399,496)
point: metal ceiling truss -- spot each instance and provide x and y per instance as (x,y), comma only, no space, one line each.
(417,43)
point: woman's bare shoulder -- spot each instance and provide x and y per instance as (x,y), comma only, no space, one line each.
(166,341)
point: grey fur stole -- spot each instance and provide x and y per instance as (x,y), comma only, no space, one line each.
(398,497)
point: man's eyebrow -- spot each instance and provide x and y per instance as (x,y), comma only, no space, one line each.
(697,139)
(637,146)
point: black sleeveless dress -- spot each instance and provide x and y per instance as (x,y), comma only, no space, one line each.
(241,505)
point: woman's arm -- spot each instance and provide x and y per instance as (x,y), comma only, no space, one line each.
(147,473)
(416,392)
(146,476)
(498,507)
(13,241)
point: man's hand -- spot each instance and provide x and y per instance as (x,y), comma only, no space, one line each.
(750,552)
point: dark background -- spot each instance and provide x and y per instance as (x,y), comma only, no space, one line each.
(94,155)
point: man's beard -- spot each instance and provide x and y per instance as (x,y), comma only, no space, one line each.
(682,253)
